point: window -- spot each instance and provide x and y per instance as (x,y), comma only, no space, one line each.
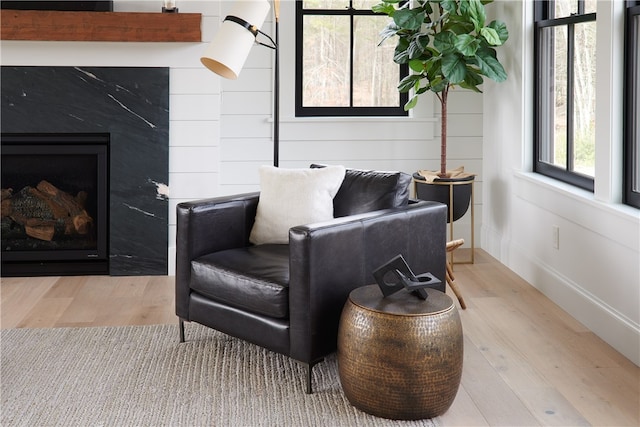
(565,38)
(341,70)
(632,106)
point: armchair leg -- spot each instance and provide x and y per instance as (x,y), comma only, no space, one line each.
(181,327)
(308,374)
(308,368)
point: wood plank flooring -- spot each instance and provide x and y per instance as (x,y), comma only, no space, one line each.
(527,362)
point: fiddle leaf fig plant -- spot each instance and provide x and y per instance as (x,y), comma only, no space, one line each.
(446,43)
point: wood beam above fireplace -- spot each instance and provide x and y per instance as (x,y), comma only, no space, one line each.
(100,26)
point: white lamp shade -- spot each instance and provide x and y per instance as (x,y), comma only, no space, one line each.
(228,51)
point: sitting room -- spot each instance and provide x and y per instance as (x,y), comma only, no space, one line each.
(172,177)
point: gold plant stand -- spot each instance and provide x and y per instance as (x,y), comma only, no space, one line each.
(451,185)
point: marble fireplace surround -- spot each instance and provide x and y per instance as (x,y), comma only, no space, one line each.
(132,105)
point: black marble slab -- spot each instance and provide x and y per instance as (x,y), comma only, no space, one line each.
(132,105)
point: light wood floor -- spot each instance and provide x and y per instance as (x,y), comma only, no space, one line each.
(527,362)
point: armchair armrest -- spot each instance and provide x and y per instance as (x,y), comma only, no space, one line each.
(205,226)
(328,260)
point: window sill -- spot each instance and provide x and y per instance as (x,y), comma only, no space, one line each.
(359,119)
(576,194)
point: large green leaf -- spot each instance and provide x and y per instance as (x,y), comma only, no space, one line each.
(445,42)
(464,7)
(475,12)
(407,83)
(423,40)
(491,36)
(466,44)
(423,89)
(490,66)
(417,46)
(389,31)
(472,80)
(416,65)
(410,19)
(500,28)
(458,25)
(400,55)
(386,8)
(454,68)
(449,5)
(438,85)
(487,50)
(433,68)
(411,103)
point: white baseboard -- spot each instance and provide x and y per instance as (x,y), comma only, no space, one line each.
(603,320)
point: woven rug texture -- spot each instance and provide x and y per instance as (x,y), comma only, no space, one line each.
(142,376)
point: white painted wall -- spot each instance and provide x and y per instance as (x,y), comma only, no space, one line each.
(595,272)
(220,130)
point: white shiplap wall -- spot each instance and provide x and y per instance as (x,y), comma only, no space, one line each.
(220,130)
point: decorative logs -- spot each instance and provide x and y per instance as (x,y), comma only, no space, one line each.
(45,210)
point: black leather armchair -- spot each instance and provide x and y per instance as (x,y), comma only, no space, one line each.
(288,298)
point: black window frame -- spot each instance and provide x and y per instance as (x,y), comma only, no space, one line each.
(350,111)
(631,197)
(543,18)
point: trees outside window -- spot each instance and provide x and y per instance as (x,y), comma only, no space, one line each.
(340,69)
(565,37)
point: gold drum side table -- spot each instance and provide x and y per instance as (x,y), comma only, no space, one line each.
(400,357)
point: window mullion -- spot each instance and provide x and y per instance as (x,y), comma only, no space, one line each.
(570,93)
(351,55)
(351,47)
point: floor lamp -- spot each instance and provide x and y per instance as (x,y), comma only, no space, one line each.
(228,51)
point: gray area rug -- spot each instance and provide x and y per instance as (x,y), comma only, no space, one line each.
(142,376)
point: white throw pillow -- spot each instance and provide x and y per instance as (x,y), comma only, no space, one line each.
(290,197)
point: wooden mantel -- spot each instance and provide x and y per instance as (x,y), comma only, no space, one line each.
(100,26)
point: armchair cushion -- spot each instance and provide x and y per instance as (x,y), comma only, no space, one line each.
(369,190)
(254,278)
(290,197)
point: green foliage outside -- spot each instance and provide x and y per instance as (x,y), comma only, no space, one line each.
(584,150)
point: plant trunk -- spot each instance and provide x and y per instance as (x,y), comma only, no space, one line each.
(443,132)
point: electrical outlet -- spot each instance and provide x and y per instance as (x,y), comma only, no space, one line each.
(555,236)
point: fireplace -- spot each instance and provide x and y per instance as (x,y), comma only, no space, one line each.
(54,204)
(130,107)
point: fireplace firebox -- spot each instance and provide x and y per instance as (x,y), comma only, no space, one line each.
(131,105)
(55,200)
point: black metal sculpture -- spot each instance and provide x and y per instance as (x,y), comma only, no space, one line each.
(396,274)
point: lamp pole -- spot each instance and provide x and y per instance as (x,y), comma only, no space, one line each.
(276,87)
